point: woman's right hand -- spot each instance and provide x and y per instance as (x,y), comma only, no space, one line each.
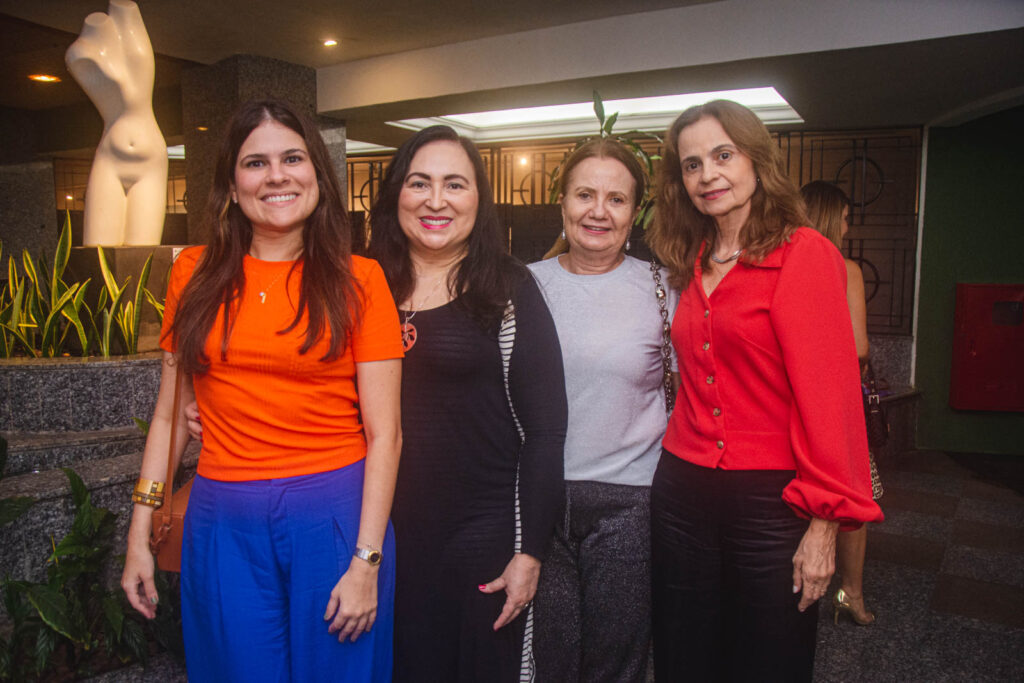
(195,427)
(139,568)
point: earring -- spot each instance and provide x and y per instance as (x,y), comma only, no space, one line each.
(234,199)
(563,235)
(758,178)
(627,244)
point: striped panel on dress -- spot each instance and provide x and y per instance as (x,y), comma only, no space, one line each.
(506,340)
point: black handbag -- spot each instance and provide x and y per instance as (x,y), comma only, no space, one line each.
(874,414)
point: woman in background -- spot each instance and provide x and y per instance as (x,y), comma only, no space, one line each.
(483,418)
(828,209)
(610,326)
(292,345)
(766,451)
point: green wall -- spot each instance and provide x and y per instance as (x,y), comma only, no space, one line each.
(973,232)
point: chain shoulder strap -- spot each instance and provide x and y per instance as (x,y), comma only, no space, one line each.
(666,338)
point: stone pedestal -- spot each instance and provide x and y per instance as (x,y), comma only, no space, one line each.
(126,262)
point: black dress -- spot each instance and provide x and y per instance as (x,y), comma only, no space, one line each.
(455,503)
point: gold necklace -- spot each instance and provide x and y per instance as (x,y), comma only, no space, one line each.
(264,290)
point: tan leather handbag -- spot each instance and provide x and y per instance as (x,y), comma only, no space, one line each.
(169,518)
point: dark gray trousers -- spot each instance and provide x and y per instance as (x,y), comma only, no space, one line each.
(593,603)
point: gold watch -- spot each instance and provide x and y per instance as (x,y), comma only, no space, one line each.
(369,555)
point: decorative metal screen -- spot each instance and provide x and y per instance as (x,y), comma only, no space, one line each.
(879,170)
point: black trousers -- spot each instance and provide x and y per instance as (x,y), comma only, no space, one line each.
(593,606)
(722,545)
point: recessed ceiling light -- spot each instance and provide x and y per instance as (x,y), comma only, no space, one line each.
(44,78)
(330,42)
(202,129)
(652,114)
(69,196)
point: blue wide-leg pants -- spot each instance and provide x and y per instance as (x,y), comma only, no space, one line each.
(259,561)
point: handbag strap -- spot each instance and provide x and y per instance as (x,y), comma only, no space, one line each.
(179,377)
(873,399)
(666,338)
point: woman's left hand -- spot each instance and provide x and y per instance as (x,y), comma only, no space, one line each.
(519,581)
(352,608)
(815,561)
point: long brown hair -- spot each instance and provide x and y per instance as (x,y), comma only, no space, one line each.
(327,291)
(825,203)
(776,209)
(482,282)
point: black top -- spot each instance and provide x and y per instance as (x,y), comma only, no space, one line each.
(460,448)
(454,511)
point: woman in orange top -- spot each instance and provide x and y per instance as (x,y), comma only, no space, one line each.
(287,562)
(765,455)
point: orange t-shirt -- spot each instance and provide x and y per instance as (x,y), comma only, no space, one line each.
(268,411)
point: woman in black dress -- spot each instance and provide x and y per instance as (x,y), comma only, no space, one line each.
(483,419)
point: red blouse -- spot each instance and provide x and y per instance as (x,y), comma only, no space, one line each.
(770,379)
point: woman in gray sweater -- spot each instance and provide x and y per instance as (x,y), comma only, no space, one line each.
(593,599)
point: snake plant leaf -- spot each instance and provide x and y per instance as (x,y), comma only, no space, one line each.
(20,336)
(48,346)
(30,271)
(156,304)
(53,610)
(60,257)
(72,313)
(108,277)
(140,292)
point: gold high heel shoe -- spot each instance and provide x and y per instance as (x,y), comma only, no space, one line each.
(843,604)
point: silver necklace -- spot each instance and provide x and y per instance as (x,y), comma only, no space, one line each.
(727,259)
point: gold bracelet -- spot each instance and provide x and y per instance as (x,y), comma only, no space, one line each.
(148,492)
(149,487)
(152,501)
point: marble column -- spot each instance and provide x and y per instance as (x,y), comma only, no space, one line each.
(28,211)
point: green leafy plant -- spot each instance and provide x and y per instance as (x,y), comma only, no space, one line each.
(71,621)
(42,315)
(38,309)
(631,139)
(126,313)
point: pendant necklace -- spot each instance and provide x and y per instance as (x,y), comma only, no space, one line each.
(727,259)
(263,291)
(408,329)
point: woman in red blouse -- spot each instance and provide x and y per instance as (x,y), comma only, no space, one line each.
(765,457)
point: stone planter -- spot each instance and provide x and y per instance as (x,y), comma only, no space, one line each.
(77,394)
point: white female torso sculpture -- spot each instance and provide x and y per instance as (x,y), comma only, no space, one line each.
(125,200)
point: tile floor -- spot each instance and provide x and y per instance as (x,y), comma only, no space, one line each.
(944,574)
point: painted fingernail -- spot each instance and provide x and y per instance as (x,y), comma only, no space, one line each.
(796,589)
(482,586)
(154,600)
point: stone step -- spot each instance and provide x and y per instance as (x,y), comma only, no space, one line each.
(26,542)
(41,451)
